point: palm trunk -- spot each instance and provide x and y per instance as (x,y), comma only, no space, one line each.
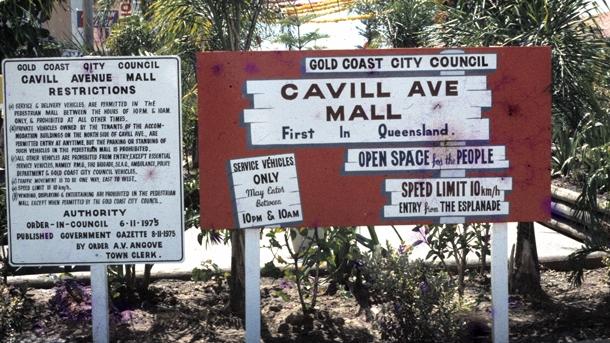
(233,38)
(525,278)
(237,281)
(143,287)
(484,250)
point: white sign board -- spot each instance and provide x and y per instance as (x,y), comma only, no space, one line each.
(401,63)
(266,190)
(93,160)
(419,198)
(426,158)
(368,110)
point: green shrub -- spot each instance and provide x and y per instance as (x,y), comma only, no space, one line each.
(13,302)
(456,242)
(131,36)
(416,301)
(210,271)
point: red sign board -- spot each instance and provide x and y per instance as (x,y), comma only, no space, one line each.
(374,137)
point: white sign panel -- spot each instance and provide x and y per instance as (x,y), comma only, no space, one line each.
(93,160)
(447,197)
(365,110)
(426,158)
(266,190)
(401,63)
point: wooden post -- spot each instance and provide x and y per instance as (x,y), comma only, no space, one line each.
(253,280)
(499,282)
(88,24)
(99,303)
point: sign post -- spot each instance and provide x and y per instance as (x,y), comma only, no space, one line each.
(94,165)
(266,192)
(377,137)
(253,280)
(99,303)
(499,282)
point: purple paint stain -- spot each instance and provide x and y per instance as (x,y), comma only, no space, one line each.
(217,69)
(504,81)
(150,174)
(251,68)
(513,110)
(86,70)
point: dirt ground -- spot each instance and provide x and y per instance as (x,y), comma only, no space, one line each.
(188,311)
(568,315)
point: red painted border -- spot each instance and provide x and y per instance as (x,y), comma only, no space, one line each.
(520,119)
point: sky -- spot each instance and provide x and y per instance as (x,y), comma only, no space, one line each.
(344,34)
(341,34)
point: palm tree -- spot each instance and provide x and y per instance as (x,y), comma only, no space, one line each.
(21,35)
(567,26)
(198,25)
(21,31)
(183,28)
(401,23)
(579,58)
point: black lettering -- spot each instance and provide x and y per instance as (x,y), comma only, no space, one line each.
(285,94)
